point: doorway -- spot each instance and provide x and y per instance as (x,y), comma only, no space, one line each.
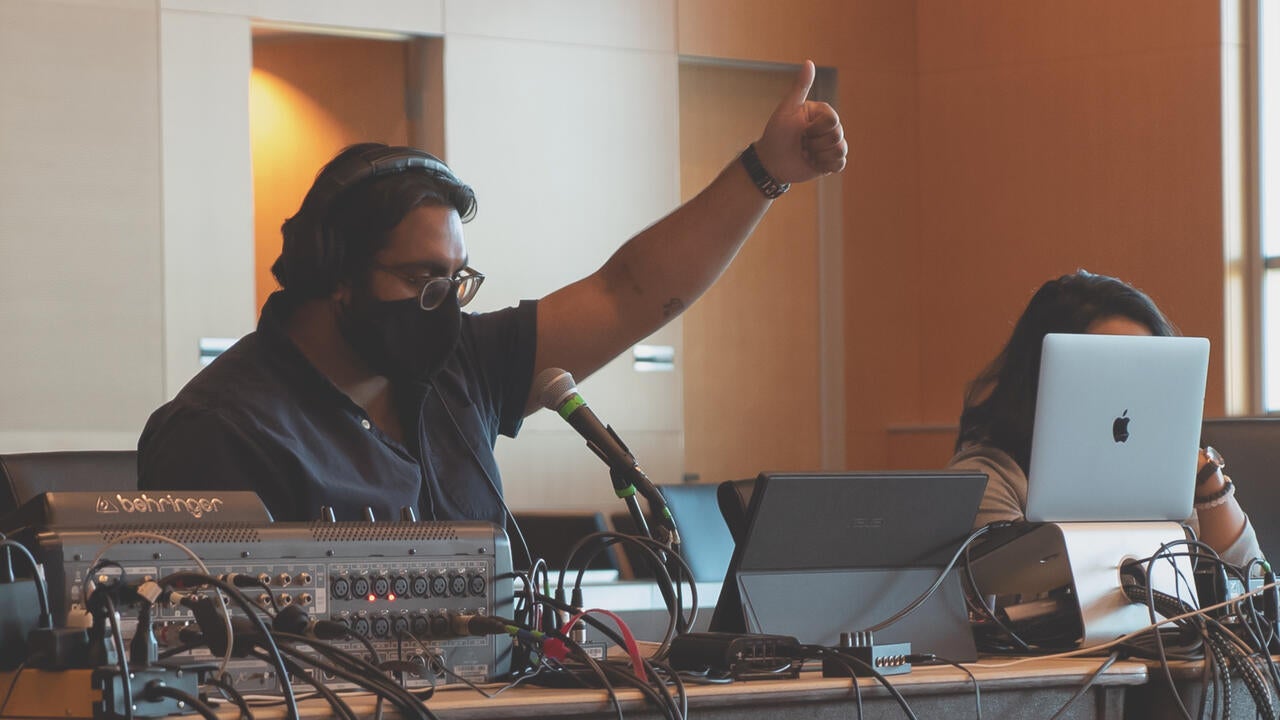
(312,94)
(763,350)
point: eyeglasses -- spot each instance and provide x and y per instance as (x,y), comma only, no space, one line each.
(433,289)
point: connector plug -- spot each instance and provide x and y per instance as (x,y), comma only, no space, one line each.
(862,660)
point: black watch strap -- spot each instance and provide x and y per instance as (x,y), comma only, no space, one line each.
(769,187)
(1206,472)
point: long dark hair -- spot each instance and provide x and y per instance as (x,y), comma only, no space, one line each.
(1000,403)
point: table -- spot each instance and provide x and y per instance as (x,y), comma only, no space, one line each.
(1036,689)
(1154,701)
(1033,689)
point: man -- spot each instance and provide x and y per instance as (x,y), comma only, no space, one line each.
(366,386)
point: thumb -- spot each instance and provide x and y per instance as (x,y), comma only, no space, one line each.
(800,86)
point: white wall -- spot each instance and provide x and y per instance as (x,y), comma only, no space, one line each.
(80,206)
(561,113)
(572,147)
(208,194)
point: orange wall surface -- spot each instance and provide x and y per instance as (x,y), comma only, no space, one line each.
(995,144)
(309,98)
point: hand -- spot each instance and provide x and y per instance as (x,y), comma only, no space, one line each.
(803,139)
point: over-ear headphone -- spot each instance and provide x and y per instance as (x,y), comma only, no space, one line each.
(312,254)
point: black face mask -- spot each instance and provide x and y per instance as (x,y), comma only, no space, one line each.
(397,338)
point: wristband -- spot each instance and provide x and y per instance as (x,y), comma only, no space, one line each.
(768,185)
(1218,498)
(1211,466)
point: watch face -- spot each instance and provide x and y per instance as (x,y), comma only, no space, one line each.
(1214,456)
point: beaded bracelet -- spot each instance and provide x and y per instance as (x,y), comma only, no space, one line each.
(1218,498)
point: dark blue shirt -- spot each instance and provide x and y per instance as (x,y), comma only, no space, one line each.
(260,417)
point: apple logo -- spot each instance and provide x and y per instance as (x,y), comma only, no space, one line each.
(1120,428)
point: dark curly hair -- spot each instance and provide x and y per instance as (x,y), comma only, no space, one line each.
(332,240)
(1000,403)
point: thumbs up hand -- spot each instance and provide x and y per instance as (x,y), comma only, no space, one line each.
(803,139)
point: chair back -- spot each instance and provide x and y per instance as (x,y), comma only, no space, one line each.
(706,543)
(1251,448)
(552,534)
(25,475)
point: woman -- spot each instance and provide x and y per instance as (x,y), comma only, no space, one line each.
(1000,406)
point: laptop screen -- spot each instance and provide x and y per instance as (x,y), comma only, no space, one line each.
(1117,428)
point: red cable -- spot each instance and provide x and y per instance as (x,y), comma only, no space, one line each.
(637,662)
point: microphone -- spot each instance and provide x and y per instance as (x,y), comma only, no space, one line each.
(558,392)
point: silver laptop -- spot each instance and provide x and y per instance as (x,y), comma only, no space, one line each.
(1117,428)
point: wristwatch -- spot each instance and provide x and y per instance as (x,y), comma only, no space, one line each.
(766,183)
(1213,465)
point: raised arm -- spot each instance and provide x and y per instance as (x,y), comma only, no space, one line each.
(655,275)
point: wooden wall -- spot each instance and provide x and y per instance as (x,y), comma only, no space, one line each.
(995,144)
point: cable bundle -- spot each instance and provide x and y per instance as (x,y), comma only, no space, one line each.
(1243,654)
(554,621)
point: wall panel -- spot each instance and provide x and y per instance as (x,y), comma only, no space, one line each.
(208,204)
(571,149)
(80,228)
(1053,148)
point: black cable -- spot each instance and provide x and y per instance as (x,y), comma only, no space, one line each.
(668,578)
(380,691)
(340,707)
(155,690)
(17,674)
(820,652)
(427,658)
(1223,651)
(1147,595)
(582,655)
(1151,612)
(358,671)
(234,593)
(374,658)
(596,668)
(1093,677)
(931,658)
(1248,672)
(675,707)
(589,619)
(493,485)
(649,691)
(670,586)
(1223,672)
(1208,674)
(271,597)
(670,589)
(942,576)
(989,612)
(1217,634)
(178,650)
(122,660)
(229,691)
(682,693)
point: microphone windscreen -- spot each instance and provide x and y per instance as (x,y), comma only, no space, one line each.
(554,385)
